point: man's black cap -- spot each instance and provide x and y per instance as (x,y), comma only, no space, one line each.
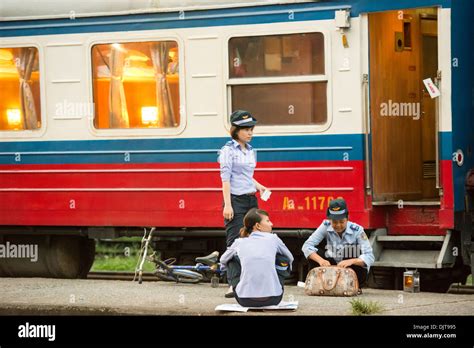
(337,209)
(242,118)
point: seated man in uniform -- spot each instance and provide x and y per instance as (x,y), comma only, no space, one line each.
(347,244)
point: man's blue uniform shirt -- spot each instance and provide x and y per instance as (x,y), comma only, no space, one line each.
(353,243)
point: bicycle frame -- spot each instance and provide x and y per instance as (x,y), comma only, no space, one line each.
(166,270)
(199,268)
(143,254)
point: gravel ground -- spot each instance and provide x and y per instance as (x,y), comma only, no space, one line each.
(42,296)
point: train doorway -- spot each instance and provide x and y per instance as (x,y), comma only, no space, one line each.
(403,117)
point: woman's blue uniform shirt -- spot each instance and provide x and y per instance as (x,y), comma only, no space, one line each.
(257,255)
(238,167)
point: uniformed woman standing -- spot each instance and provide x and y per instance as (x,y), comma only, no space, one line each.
(237,162)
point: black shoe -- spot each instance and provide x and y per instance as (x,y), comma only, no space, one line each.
(230,293)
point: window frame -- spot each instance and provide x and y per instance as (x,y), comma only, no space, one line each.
(137,132)
(278,129)
(31,133)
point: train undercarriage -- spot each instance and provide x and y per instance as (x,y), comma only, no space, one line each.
(69,253)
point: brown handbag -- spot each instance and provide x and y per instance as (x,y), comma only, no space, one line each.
(331,281)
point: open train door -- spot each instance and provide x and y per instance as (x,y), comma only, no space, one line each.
(403,125)
(403,49)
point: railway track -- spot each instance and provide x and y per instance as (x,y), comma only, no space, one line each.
(118,275)
(461,289)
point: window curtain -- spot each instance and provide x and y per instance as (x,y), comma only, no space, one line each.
(159,56)
(25,62)
(118,114)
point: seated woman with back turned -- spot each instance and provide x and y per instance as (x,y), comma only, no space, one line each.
(257,262)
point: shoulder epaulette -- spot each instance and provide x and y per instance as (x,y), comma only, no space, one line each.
(228,144)
(354,227)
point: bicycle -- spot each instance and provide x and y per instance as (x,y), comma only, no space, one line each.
(206,266)
(168,271)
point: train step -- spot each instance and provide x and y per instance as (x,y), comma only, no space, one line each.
(408,251)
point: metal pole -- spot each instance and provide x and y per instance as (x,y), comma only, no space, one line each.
(365,84)
(438,83)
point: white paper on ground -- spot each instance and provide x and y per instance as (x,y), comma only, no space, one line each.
(235,307)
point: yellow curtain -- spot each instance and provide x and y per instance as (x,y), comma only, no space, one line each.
(159,56)
(25,62)
(118,114)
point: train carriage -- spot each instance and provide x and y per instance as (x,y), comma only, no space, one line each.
(112,115)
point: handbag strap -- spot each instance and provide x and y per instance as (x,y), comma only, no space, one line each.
(324,282)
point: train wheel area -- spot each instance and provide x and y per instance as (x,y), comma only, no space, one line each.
(52,256)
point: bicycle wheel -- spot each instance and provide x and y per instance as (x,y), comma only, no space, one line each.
(188,276)
(179,275)
(163,275)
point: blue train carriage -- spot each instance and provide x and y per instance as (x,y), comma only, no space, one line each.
(346,93)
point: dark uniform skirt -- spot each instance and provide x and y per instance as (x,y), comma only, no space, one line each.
(241,205)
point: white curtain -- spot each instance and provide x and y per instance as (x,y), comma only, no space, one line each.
(25,63)
(118,114)
(159,56)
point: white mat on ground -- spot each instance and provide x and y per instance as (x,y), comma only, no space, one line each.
(235,307)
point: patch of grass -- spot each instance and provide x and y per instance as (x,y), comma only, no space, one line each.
(361,307)
(116,263)
(469,280)
(120,246)
(120,254)
(129,239)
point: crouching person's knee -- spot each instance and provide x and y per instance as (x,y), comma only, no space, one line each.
(282,265)
(233,271)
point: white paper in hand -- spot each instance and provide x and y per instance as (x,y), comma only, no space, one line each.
(265,195)
(431,88)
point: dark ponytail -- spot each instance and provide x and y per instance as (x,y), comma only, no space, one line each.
(252,217)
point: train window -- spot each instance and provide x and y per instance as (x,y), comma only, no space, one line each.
(136,85)
(276,55)
(281,79)
(283,103)
(20,106)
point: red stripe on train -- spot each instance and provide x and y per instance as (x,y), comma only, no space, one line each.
(187,195)
(168,195)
